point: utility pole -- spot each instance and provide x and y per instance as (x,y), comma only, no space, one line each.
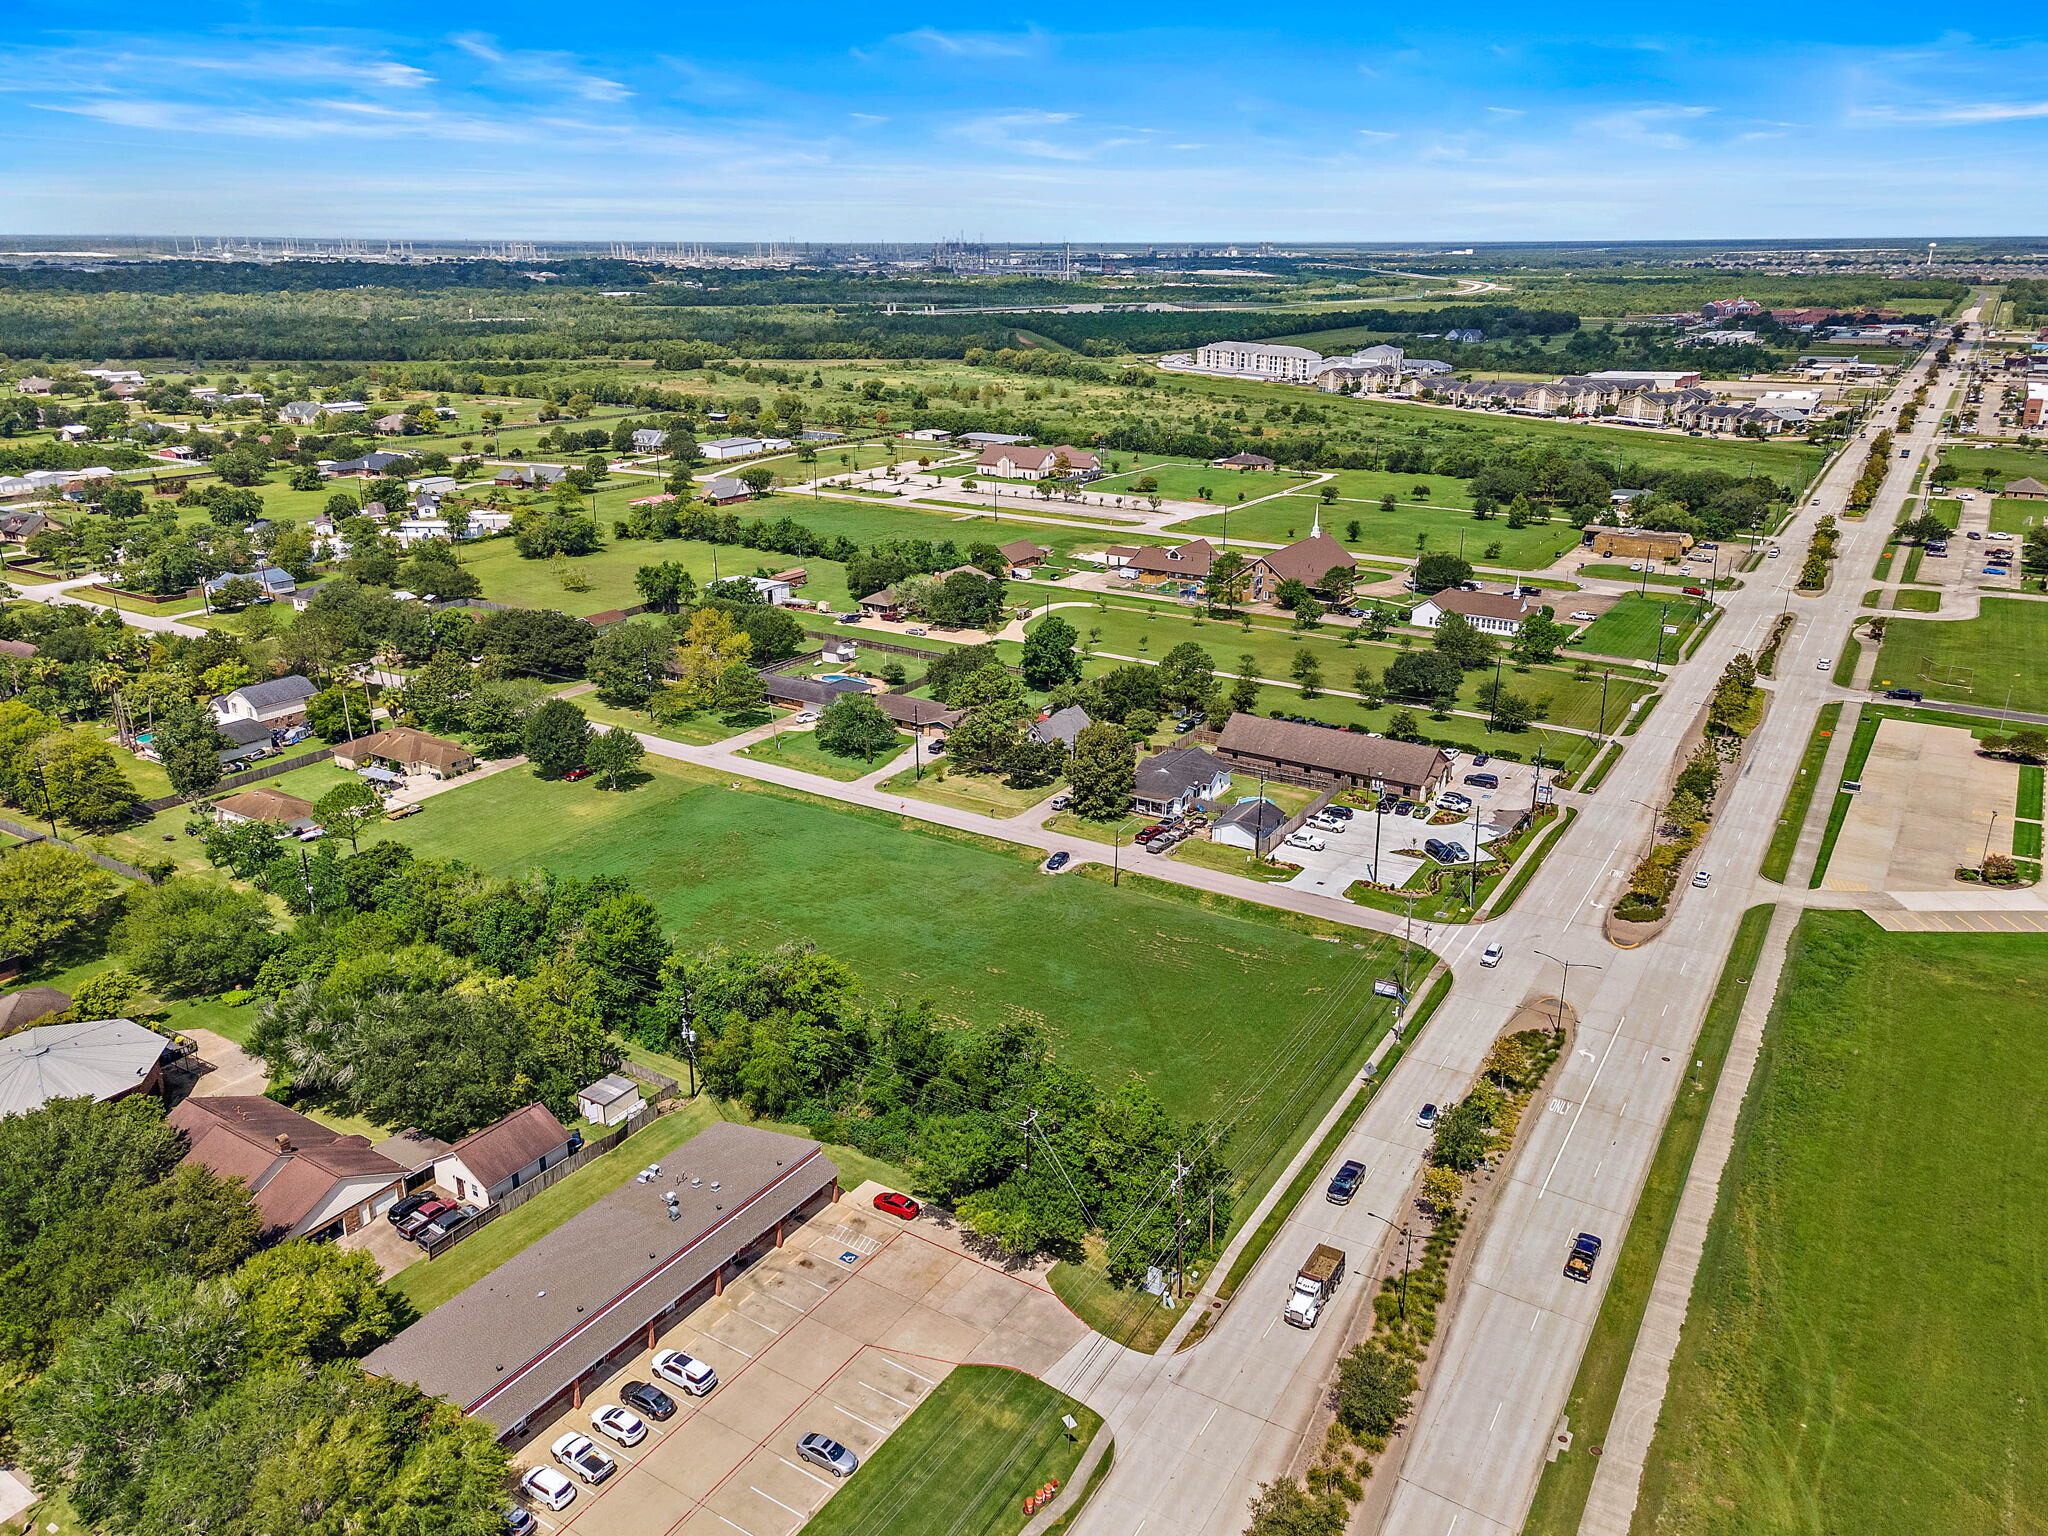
(1026,1126)
(1568,967)
(1180,1173)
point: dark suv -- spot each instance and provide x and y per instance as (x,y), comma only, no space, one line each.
(1345,1183)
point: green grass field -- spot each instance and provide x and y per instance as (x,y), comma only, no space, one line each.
(1865,1347)
(1918,600)
(1393,533)
(1635,627)
(963,1461)
(981,932)
(2016,514)
(1987,467)
(1799,798)
(1180,480)
(1989,660)
(798,748)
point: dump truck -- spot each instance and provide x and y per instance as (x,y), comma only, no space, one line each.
(1314,1285)
(1585,1250)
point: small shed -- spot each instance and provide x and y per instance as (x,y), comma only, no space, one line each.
(609,1100)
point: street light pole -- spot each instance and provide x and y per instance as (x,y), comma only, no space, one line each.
(1562,986)
(1407,1237)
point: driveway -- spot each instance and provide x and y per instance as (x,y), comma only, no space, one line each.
(843,1330)
(1925,810)
(221,1068)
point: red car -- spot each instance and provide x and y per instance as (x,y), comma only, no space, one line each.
(425,1217)
(1695,591)
(576,773)
(1148,834)
(893,1204)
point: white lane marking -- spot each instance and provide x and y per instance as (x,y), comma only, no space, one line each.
(1582,1108)
(740,1528)
(755,1321)
(799,1311)
(779,1504)
(1208,1421)
(928,1381)
(811,1475)
(859,1420)
(747,1352)
(1496,1415)
(891,1396)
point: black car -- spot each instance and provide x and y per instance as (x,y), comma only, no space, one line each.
(645,1397)
(1341,812)
(403,1208)
(1345,1184)
(1056,863)
(1911,695)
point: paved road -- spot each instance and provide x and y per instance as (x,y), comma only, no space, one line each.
(1197,1432)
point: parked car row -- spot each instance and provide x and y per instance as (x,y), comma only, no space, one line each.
(428,1218)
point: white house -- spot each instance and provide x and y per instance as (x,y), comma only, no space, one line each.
(609,1100)
(649,439)
(1173,782)
(281,698)
(301,413)
(742,447)
(486,1165)
(1037,463)
(1494,613)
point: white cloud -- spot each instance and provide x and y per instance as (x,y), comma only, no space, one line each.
(1650,126)
(553,71)
(1013,131)
(1950,114)
(973,45)
(1376,135)
(1507,111)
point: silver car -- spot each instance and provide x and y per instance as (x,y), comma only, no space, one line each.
(822,1451)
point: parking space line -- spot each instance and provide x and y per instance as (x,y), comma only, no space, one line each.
(734,1347)
(799,1311)
(740,1528)
(779,1504)
(928,1381)
(754,1320)
(795,1468)
(859,1420)
(890,1395)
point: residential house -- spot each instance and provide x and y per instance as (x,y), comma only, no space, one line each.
(795,691)
(771,591)
(610,1100)
(2027,489)
(1022,554)
(397,424)
(278,701)
(1637,543)
(20,1009)
(102,1060)
(529,477)
(1493,613)
(1253,823)
(307,1180)
(273,807)
(928,435)
(368,467)
(920,717)
(402,749)
(302,413)
(33,385)
(720,448)
(249,739)
(1019,463)
(1177,780)
(649,439)
(1242,461)
(273,581)
(1351,379)
(1465,336)
(433,485)
(723,491)
(19,527)
(1322,755)
(486,1165)
(1062,726)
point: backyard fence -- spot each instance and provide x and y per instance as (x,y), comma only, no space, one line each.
(235,781)
(593,1147)
(105,861)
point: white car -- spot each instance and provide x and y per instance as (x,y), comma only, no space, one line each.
(548,1488)
(1637,565)
(1700,879)
(1582,617)
(620,1424)
(805,717)
(1490,957)
(1966,495)
(679,1370)
(1306,840)
(1775,551)
(1326,824)
(580,1455)
(1824,664)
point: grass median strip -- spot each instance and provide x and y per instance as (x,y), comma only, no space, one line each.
(1799,798)
(1561,1494)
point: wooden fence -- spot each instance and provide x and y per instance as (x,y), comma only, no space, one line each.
(593,1147)
(234,781)
(105,861)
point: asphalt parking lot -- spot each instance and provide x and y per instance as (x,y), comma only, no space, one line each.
(843,1331)
(1349,855)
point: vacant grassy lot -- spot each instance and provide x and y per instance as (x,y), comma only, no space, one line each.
(1222,1014)
(1394,533)
(798,748)
(2015,514)
(1635,627)
(1865,1346)
(607,576)
(962,1463)
(1180,480)
(1986,660)
(1992,467)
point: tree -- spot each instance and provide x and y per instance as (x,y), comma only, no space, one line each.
(623,950)
(191,936)
(1441,1191)
(1340,585)
(613,755)
(556,739)
(538,642)
(757,478)
(1103,771)
(189,744)
(1229,573)
(628,661)
(668,586)
(1292,593)
(1923,529)
(347,809)
(1367,683)
(853,725)
(1187,677)
(1434,572)
(84,781)
(341,713)
(1374,1388)
(965,600)
(50,896)
(1244,688)
(711,644)
(1423,675)
(1049,658)
(1307,672)
(303,1300)
(1458,638)
(1540,639)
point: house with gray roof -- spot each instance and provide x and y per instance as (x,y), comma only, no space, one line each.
(1061,726)
(1176,781)
(278,699)
(1253,824)
(105,1059)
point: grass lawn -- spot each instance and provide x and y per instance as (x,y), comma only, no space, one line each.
(2015,514)
(923,912)
(981,793)
(1561,1495)
(1865,1349)
(1917,601)
(1986,660)
(1395,532)
(872,522)
(1947,508)
(1993,467)
(1799,798)
(1635,627)
(798,748)
(1183,481)
(1655,578)
(700,730)
(507,577)
(962,1463)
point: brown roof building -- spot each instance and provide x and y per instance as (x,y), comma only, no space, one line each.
(1323,755)
(408,751)
(487,1164)
(1309,559)
(308,1181)
(20,1009)
(526,1337)
(1022,552)
(1495,613)
(1242,461)
(269,805)
(1638,543)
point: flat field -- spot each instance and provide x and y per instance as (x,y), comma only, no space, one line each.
(1994,466)
(1634,627)
(1396,532)
(1865,1350)
(1990,659)
(1125,982)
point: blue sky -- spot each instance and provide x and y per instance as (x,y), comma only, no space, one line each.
(1138,121)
